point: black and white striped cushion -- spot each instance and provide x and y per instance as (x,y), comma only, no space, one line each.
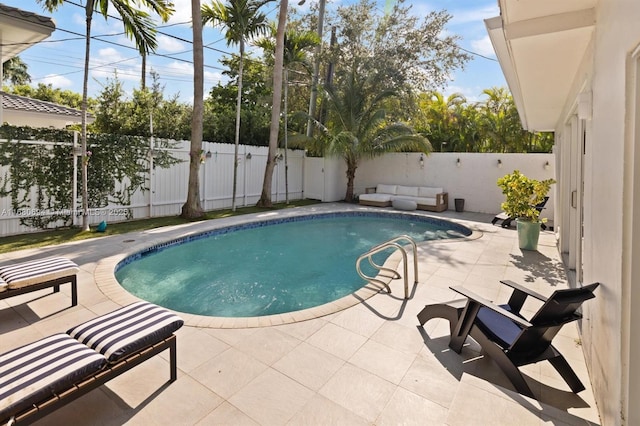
(37,271)
(3,286)
(122,332)
(40,369)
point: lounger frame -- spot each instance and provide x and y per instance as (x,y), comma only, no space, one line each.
(47,406)
(55,283)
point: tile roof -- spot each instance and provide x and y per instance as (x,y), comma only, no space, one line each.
(21,103)
(14,12)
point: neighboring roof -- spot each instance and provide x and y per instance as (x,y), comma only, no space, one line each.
(541,45)
(21,103)
(21,29)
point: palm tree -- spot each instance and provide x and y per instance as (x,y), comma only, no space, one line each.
(296,44)
(265,197)
(357,124)
(243,20)
(501,121)
(192,208)
(15,71)
(138,26)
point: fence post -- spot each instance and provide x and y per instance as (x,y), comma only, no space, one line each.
(74,189)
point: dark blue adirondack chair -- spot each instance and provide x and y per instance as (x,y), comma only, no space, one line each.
(506,336)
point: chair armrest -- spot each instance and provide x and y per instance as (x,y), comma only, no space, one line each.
(442,199)
(524,289)
(488,304)
(370,190)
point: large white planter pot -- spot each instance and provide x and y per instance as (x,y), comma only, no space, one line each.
(528,234)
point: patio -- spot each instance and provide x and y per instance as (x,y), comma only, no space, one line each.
(368,364)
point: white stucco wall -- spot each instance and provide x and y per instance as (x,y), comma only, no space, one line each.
(474,179)
(609,328)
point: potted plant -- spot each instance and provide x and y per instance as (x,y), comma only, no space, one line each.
(522,196)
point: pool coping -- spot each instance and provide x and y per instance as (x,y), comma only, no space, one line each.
(105,279)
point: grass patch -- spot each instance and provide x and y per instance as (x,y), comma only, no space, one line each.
(59,236)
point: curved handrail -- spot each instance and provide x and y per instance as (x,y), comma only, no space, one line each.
(383,246)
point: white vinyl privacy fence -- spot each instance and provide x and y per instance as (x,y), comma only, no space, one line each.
(463,175)
(167,187)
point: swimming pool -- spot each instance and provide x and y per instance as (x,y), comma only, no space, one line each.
(269,267)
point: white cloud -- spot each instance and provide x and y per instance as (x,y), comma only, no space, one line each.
(109,61)
(57,81)
(182,11)
(168,44)
(465,16)
(184,70)
(483,46)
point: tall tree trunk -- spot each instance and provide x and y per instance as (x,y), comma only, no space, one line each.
(143,78)
(265,198)
(351,176)
(313,99)
(192,208)
(237,138)
(83,139)
(286,136)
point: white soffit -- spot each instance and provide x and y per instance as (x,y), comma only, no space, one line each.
(20,30)
(540,45)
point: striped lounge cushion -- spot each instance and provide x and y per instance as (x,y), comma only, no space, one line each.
(40,369)
(122,332)
(3,286)
(37,271)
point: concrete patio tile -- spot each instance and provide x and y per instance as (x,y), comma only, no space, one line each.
(208,347)
(229,372)
(321,411)
(362,392)
(405,374)
(399,337)
(409,409)
(337,341)
(382,361)
(428,379)
(483,402)
(231,336)
(309,366)
(359,320)
(268,345)
(97,404)
(183,402)
(272,398)
(302,330)
(226,414)
(134,387)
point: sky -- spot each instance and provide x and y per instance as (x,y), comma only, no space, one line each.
(59,60)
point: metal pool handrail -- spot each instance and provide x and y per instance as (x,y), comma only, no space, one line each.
(394,275)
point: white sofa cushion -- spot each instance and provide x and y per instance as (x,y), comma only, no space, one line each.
(425,201)
(386,189)
(378,198)
(429,192)
(411,191)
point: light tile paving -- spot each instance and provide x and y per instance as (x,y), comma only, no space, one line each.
(362,361)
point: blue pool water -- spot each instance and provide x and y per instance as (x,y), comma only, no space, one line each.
(269,267)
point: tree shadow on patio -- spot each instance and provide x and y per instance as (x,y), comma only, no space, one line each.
(539,266)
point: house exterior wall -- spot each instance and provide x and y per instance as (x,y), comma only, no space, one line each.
(22,118)
(607,249)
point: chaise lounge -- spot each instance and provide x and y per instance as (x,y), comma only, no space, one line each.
(506,336)
(45,375)
(26,277)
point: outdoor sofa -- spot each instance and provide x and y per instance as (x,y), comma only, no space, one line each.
(41,377)
(425,197)
(25,277)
